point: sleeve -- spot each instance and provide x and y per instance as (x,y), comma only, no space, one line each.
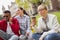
(0,25)
(15,25)
(28,24)
(39,28)
(55,23)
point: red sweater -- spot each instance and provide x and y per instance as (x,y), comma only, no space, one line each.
(14,26)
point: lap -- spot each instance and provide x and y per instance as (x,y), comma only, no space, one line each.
(52,36)
(36,35)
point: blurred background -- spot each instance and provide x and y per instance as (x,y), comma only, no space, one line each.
(30,6)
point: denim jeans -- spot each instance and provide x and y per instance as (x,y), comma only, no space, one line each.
(53,36)
(6,36)
(36,36)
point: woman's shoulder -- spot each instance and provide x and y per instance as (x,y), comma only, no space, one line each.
(26,16)
(17,16)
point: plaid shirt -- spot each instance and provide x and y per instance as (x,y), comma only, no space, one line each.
(24,23)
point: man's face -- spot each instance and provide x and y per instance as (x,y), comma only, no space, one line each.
(42,11)
(6,16)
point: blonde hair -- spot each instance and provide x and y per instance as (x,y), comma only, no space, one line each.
(41,7)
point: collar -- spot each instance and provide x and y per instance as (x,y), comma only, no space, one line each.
(47,19)
(22,16)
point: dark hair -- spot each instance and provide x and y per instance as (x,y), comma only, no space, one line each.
(7,11)
(23,10)
(33,17)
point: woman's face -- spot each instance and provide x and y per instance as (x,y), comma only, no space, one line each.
(20,11)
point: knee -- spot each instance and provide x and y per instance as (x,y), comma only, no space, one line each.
(47,37)
(34,35)
(50,37)
(22,37)
(14,37)
(1,31)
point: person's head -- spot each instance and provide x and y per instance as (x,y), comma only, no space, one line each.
(21,11)
(33,20)
(7,15)
(42,10)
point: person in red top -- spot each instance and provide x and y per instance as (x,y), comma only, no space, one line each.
(9,27)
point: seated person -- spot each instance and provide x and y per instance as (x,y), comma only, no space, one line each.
(24,22)
(32,27)
(9,27)
(48,26)
(33,24)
